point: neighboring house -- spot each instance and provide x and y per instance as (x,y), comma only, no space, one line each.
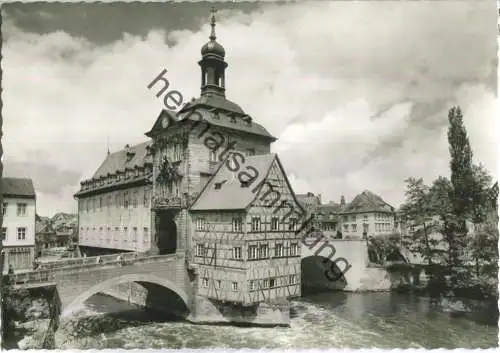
(310,202)
(366,215)
(247,252)
(18,231)
(327,216)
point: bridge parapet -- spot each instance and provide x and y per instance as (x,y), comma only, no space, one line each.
(93,259)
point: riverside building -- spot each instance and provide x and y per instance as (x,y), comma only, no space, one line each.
(206,185)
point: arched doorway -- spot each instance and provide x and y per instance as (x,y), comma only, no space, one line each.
(166,231)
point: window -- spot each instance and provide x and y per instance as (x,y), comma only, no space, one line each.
(4,208)
(278,250)
(354,227)
(135,199)
(219,284)
(21,209)
(252,286)
(134,234)
(200,224)
(213,156)
(272,282)
(252,252)
(346,227)
(205,282)
(145,233)
(292,225)
(100,201)
(200,250)
(345,219)
(235,286)
(21,233)
(250,152)
(274,223)
(294,249)
(125,232)
(255,224)
(237,252)
(146,198)
(125,199)
(237,224)
(265,283)
(292,279)
(4,233)
(110,201)
(263,251)
(353,218)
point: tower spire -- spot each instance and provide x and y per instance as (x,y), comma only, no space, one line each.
(212,64)
(212,24)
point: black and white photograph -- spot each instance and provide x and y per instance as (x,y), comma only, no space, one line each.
(249,175)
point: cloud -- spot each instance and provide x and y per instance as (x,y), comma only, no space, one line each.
(357,92)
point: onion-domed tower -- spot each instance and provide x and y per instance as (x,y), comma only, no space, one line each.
(212,65)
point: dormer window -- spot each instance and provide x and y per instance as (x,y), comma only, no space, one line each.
(130,155)
(245,183)
(247,119)
(219,184)
(233,119)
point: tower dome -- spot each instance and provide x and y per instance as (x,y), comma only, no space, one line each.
(212,47)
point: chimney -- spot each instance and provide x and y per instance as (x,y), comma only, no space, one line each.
(342,200)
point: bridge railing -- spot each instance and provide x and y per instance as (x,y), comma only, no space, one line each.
(91,260)
(46,275)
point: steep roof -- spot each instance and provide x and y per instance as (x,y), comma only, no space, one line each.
(18,187)
(213,117)
(329,208)
(231,195)
(308,199)
(118,161)
(367,201)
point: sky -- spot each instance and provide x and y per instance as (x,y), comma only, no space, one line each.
(357,93)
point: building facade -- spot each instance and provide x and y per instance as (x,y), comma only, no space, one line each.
(114,206)
(245,251)
(198,187)
(18,230)
(366,215)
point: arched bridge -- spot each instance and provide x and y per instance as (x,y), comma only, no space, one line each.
(163,276)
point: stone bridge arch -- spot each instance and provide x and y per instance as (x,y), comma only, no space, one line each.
(145,280)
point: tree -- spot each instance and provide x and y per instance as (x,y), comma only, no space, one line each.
(461,195)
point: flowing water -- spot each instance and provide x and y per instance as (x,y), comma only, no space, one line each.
(327,320)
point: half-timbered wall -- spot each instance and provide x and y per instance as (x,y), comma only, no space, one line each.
(250,263)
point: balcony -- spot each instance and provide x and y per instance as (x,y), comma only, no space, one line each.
(167,202)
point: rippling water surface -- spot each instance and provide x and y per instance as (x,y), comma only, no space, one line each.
(328,320)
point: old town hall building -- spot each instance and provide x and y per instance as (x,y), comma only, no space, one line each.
(205,184)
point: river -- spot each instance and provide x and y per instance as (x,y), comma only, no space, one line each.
(327,320)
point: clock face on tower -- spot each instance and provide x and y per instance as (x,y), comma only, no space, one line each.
(164,122)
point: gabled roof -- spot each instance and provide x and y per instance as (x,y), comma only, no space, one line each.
(118,161)
(367,201)
(232,195)
(212,117)
(18,187)
(308,199)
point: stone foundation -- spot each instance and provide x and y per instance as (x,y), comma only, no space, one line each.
(205,311)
